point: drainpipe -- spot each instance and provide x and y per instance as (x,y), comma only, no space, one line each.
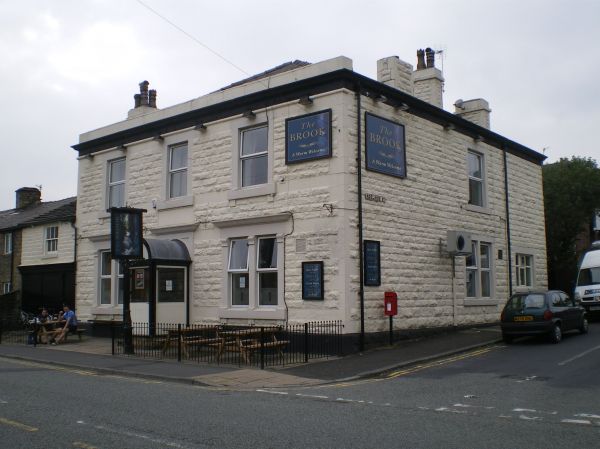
(361,289)
(508,249)
(74,265)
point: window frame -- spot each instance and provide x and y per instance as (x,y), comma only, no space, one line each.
(261,154)
(6,288)
(519,267)
(171,171)
(116,277)
(8,243)
(110,184)
(50,241)
(479,270)
(261,271)
(481,180)
(232,272)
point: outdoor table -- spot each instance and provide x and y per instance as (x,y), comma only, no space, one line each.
(246,341)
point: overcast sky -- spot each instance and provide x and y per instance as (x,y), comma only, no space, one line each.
(70,66)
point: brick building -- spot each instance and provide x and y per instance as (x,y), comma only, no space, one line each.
(306,192)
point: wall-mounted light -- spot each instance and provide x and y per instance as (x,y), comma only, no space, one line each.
(249,114)
(122,147)
(200,127)
(158,138)
(305,100)
(381,98)
(403,107)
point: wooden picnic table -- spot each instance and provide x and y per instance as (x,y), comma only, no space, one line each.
(247,341)
(190,336)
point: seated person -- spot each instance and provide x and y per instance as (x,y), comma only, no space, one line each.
(70,325)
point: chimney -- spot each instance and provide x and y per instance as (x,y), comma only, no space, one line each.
(428,82)
(395,73)
(144,102)
(26,196)
(476,111)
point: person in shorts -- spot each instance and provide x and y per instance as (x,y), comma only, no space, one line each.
(70,325)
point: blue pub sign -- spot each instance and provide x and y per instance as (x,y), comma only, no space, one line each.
(385,146)
(308,137)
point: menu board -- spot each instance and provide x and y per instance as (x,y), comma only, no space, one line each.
(372,263)
(312,280)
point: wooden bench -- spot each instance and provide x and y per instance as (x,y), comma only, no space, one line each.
(247,350)
(247,341)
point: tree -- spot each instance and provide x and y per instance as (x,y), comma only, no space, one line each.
(571,196)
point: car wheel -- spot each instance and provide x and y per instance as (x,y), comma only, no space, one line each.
(507,339)
(584,326)
(556,334)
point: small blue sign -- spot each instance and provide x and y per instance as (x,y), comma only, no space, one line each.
(312,280)
(308,137)
(372,261)
(385,148)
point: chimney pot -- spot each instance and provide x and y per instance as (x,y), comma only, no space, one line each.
(430,57)
(137,100)
(152,98)
(421,59)
(144,92)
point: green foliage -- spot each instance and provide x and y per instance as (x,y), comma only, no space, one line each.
(571,195)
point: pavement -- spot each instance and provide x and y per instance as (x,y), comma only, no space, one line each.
(94,354)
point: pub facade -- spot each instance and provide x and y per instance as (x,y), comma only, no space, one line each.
(307,192)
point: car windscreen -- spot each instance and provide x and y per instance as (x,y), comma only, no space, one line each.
(589,276)
(531,301)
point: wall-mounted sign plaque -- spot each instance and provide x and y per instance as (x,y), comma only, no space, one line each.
(384,146)
(308,137)
(372,263)
(312,280)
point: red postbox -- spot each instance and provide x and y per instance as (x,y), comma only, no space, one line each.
(390,304)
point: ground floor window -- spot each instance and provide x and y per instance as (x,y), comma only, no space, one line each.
(6,288)
(479,274)
(110,280)
(253,271)
(524,269)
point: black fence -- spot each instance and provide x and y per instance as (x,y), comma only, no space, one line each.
(258,346)
(18,329)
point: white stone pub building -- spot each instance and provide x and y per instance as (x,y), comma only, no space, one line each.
(233,212)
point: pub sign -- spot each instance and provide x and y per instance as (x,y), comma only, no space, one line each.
(308,137)
(385,146)
(312,280)
(126,233)
(372,263)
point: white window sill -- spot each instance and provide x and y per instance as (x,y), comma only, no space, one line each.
(172,203)
(479,209)
(263,313)
(50,256)
(480,302)
(103,214)
(107,309)
(249,192)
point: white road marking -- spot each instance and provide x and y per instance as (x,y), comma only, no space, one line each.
(3,402)
(272,392)
(524,410)
(578,356)
(142,436)
(530,418)
(315,396)
(586,415)
(576,421)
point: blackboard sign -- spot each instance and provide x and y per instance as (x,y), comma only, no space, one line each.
(385,148)
(126,233)
(308,137)
(312,280)
(372,263)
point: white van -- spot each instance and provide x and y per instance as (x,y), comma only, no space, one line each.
(587,289)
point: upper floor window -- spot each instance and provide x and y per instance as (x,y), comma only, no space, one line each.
(479,271)
(476,178)
(51,239)
(254,157)
(524,269)
(8,243)
(116,183)
(178,170)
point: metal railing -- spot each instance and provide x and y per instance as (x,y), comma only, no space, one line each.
(258,346)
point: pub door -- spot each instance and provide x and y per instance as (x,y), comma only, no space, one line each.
(171,294)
